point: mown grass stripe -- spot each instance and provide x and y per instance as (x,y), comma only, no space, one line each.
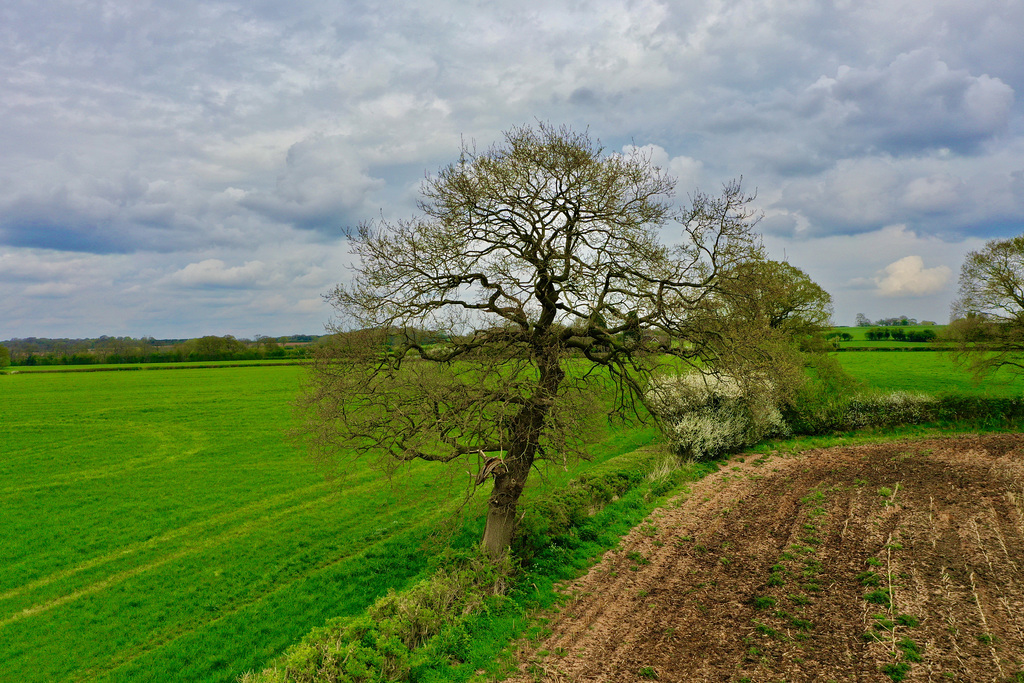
(164,538)
(166,639)
(235,532)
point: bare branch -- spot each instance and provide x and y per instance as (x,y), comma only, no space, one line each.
(533,289)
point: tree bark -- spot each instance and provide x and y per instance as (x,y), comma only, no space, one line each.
(508,486)
(509,483)
(501,515)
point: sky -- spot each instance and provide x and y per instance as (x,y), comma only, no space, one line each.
(176,169)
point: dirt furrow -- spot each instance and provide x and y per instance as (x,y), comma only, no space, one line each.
(900,561)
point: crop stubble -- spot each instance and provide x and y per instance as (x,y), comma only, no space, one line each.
(900,561)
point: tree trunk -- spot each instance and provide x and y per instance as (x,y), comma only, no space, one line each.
(501,507)
(525,432)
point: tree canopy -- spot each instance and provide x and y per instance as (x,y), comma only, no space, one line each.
(534,279)
(988,314)
(783,297)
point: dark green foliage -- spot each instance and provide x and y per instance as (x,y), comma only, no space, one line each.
(820,403)
(896,672)
(879,597)
(910,649)
(559,512)
(869,578)
(987,411)
(126,350)
(923,336)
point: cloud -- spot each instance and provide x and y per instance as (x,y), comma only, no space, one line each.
(909,277)
(839,262)
(915,103)
(50,290)
(215,273)
(141,137)
(322,180)
(933,193)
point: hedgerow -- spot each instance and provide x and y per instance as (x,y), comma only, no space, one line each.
(704,417)
(401,633)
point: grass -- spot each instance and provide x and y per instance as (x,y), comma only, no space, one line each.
(928,372)
(177,365)
(159,526)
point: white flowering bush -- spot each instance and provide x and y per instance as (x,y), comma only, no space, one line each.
(705,416)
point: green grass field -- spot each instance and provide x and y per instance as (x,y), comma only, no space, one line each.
(931,373)
(158,526)
(182,365)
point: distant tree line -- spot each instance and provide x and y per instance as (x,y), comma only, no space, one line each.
(898,321)
(899,334)
(33,351)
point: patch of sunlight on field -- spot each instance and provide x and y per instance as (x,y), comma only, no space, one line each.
(158,526)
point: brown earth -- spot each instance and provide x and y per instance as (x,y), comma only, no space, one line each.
(866,563)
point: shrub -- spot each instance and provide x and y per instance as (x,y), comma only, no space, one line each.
(878,334)
(399,632)
(921,335)
(889,409)
(707,415)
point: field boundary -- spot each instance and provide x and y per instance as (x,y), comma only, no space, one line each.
(51,369)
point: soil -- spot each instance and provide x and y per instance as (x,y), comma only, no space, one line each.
(897,561)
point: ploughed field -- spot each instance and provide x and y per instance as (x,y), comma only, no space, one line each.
(900,561)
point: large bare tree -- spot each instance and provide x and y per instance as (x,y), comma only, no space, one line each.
(988,315)
(535,279)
